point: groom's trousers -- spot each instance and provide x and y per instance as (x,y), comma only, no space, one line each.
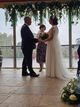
(27,60)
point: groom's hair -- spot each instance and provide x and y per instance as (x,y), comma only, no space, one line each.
(26,18)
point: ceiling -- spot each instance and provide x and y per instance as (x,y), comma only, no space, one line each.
(4,3)
(30,0)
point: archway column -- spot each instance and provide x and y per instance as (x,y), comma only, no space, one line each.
(70,38)
(14,40)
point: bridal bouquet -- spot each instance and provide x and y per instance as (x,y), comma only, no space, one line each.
(43,36)
(69,94)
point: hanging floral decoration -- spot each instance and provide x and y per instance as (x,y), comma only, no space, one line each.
(74,7)
(39,9)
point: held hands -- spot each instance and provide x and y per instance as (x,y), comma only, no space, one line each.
(43,37)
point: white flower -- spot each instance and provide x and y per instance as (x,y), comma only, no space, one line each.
(63,95)
(69,84)
(73,97)
(72,91)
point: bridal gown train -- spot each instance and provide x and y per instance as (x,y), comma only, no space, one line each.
(54,63)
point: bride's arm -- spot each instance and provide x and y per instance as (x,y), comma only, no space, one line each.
(51,35)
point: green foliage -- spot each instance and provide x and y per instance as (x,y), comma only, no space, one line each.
(43,36)
(69,94)
(38,9)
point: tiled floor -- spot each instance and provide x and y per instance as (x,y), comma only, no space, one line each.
(18,91)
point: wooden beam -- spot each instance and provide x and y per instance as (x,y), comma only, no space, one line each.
(4,3)
(23,0)
(7,1)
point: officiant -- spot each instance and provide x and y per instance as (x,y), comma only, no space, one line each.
(41,48)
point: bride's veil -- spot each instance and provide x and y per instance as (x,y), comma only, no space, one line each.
(62,71)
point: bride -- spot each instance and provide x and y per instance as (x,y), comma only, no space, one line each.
(54,64)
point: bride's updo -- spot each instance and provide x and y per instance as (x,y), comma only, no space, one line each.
(53,20)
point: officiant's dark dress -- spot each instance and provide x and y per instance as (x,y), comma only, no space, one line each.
(41,52)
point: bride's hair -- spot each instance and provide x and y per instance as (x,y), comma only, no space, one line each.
(54,20)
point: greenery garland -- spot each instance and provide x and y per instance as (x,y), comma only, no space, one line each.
(38,9)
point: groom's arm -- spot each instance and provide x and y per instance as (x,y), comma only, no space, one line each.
(35,40)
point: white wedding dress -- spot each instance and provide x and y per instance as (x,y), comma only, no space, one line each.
(54,63)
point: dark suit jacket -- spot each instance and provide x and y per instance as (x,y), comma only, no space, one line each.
(78,51)
(28,40)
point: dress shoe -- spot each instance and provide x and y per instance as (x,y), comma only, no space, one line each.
(34,75)
(25,74)
(40,70)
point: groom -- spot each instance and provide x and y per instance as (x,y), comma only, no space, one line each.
(28,44)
